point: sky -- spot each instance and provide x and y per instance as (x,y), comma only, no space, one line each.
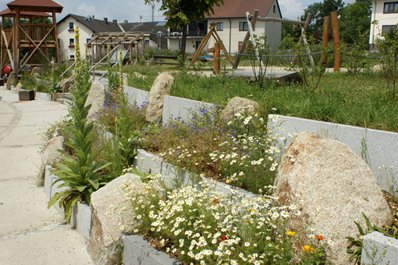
(136,10)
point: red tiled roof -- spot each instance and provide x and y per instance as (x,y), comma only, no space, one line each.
(8,13)
(238,8)
(35,5)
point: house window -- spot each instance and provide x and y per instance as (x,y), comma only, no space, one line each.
(72,57)
(88,40)
(391,7)
(385,29)
(220,26)
(274,8)
(71,43)
(146,43)
(243,26)
(71,26)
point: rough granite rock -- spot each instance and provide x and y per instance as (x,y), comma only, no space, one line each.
(96,97)
(19,87)
(112,215)
(11,81)
(65,84)
(332,187)
(51,154)
(35,71)
(239,105)
(160,88)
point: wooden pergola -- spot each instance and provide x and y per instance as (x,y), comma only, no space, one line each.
(103,43)
(29,38)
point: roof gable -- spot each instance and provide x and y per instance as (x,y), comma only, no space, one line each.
(95,25)
(238,8)
(35,5)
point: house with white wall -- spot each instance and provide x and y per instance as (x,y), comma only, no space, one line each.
(384,18)
(231,25)
(231,22)
(87,27)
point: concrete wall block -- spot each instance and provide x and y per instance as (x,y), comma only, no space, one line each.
(148,163)
(43,96)
(183,109)
(379,148)
(138,251)
(136,97)
(379,249)
(83,220)
(47,181)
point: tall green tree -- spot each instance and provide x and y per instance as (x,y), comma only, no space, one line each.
(180,13)
(355,23)
(318,11)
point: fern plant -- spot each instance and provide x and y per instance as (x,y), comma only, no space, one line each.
(79,172)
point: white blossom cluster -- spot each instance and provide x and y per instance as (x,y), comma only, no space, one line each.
(201,226)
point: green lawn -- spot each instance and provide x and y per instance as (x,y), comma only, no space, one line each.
(360,100)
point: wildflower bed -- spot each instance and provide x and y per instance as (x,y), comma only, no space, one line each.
(201,226)
(240,152)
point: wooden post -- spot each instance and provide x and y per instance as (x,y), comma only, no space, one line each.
(336,40)
(325,39)
(16,42)
(304,39)
(245,40)
(216,58)
(55,37)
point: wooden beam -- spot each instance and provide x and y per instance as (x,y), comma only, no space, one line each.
(336,40)
(8,49)
(282,20)
(36,46)
(325,39)
(40,43)
(16,42)
(253,21)
(56,37)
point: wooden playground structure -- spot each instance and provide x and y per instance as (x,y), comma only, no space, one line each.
(131,44)
(29,33)
(250,36)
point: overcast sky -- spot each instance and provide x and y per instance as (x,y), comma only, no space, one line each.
(133,9)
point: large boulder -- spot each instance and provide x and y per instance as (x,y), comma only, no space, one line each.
(66,83)
(51,154)
(11,81)
(19,87)
(160,88)
(239,105)
(112,215)
(332,187)
(35,71)
(96,97)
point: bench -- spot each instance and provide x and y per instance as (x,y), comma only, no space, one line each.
(166,59)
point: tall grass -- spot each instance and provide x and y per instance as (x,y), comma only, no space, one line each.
(360,100)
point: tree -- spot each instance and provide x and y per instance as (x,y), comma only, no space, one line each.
(180,13)
(318,11)
(355,23)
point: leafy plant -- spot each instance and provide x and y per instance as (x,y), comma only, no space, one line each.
(311,75)
(259,57)
(79,172)
(355,244)
(125,138)
(388,47)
